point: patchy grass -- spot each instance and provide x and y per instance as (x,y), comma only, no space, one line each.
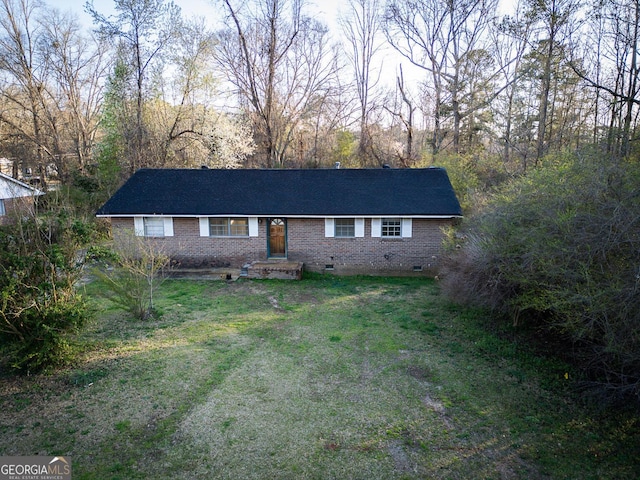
(330,377)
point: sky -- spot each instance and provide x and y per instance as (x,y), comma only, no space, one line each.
(326,10)
(189,8)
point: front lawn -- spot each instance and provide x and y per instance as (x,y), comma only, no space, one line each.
(329,377)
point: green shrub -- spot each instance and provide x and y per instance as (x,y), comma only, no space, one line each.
(102,254)
(39,306)
(560,249)
(43,324)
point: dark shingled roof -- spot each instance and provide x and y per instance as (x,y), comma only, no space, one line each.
(321,192)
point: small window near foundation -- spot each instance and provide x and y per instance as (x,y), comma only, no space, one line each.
(328,266)
(417,268)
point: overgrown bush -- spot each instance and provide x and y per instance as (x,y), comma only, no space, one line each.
(39,305)
(559,249)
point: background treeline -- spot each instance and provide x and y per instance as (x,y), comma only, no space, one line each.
(266,84)
(533,111)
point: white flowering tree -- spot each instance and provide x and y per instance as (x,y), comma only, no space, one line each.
(228,140)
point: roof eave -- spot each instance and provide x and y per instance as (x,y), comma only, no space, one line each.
(277,215)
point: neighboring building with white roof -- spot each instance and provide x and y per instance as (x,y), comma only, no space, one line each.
(14,197)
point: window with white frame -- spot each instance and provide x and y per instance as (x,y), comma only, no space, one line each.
(391,227)
(229,227)
(2,210)
(153,226)
(345,227)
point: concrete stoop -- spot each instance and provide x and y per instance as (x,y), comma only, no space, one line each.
(281,269)
(276,269)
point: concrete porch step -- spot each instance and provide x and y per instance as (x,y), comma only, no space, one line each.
(277,269)
(281,269)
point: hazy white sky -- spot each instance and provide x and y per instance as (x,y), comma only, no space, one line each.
(326,10)
(189,8)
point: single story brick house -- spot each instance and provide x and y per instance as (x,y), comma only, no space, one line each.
(15,197)
(347,221)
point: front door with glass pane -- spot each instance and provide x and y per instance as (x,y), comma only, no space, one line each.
(277,245)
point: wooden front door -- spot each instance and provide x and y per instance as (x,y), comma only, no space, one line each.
(277,237)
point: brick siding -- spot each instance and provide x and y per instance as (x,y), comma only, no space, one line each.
(14,207)
(367,255)
(191,250)
(306,243)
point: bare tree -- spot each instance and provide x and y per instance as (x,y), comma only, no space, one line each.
(404,110)
(143,30)
(511,39)
(279,63)
(181,111)
(22,92)
(628,36)
(362,25)
(554,19)
(51,91)
(617,72)
(77,66)
(142,265)
(333,110)
(441,37)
